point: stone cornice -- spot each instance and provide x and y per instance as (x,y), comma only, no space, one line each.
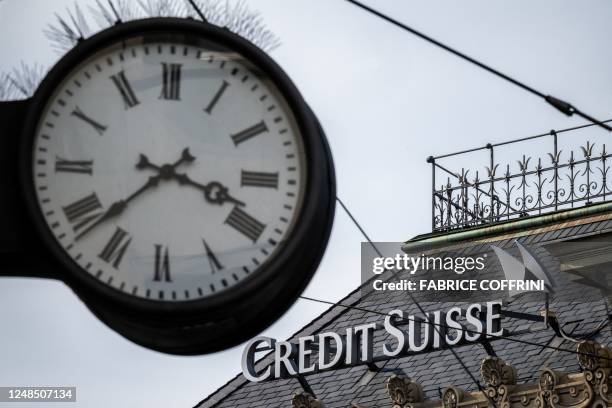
(553,389)
(587,389)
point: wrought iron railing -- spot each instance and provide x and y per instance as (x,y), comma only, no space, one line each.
(559,180)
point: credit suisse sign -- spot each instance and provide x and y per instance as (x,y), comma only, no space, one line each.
(356,345)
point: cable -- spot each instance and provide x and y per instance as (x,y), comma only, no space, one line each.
(570,129)
(437,325)
(527,342)
(346,210)
(197,9)
(565,107)
(414,301)
(475,149)
(358,225)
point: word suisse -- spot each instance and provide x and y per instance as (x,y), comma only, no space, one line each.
(356,345)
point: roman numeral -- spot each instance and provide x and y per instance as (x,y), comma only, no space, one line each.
(125,89)
(216,98)
(215,265)
(245,224)
(246,134)
(115,248)
(83,211)
(259,179)
(171,85)
(162,264)
(97,126)
(73,166)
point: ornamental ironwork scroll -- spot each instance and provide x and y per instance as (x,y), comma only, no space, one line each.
(529,186)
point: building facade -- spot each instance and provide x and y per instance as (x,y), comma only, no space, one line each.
(552,354)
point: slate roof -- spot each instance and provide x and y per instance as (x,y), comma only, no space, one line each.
(438,369)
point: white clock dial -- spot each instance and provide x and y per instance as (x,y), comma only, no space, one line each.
(168,171)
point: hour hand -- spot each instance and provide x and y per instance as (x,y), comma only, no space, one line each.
(217,193)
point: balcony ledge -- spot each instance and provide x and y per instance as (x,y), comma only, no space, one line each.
(540,223)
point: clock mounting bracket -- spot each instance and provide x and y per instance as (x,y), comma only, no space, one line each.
(23,255)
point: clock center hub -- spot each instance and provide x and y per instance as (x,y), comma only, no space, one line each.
(166,171)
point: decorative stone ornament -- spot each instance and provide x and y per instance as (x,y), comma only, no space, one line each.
(303,399)
(593,356)
(496,372)
(452,397)
(596,362)
(547,384)
(553,389)
(547,381)
(498,376)
(403,391)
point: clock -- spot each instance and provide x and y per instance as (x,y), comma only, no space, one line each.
(183,186)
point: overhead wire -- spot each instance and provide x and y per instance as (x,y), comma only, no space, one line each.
(436,326)
(415,302)
(561,105)
(600,327)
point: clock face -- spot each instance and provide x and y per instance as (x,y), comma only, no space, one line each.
(168,168)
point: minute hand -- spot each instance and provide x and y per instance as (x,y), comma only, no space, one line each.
(118,207)
(214,192)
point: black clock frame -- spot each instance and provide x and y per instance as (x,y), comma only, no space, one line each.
(236,314)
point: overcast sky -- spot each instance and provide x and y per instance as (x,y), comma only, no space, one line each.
(387,100)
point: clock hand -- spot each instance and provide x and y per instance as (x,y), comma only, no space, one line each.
(217,193)
(119,206)
(214,192)
(164,172)
(185,157)
(167,170)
